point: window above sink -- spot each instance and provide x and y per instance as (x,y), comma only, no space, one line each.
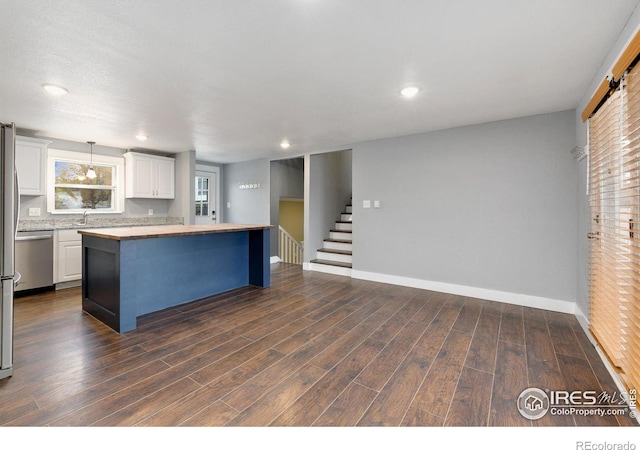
(69,191)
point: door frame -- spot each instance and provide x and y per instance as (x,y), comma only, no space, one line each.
(207,169)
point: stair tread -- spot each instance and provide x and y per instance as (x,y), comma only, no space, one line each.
(331,263)
(337,252)
(344,221)
(338,241)
(340,231)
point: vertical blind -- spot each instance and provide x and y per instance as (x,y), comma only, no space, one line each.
(614,180)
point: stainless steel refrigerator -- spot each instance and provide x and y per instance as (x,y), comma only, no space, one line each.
(9,207)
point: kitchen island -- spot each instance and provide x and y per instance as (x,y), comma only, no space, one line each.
(132,271)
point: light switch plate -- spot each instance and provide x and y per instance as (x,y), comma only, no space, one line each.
(376,203)
(366,203)
(34,212)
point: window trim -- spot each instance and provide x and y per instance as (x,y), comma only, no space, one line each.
(78,157)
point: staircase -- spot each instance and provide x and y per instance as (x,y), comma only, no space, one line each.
(290,250)
(336,254)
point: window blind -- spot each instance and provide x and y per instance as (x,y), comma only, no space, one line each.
(604,174)
(599,96)
(614,179)
(630,200)
(630,54)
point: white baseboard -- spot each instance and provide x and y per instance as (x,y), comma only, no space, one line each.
(274,259)
(470,291)
(583,319)
(467,291)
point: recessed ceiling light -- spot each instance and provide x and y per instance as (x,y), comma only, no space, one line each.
(141,137)
(409,92)
(285,144)
(54,90)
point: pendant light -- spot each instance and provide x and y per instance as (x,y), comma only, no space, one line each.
(91,173)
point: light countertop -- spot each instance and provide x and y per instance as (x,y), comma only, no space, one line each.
(146,232)
(94,221)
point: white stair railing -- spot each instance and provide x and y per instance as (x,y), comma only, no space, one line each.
(290,249)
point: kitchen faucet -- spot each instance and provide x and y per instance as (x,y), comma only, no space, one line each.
(84,218)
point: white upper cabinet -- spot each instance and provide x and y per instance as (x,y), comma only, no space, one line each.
(149,176)
(165,170)
(31,160)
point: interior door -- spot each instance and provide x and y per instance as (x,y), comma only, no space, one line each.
(205,198)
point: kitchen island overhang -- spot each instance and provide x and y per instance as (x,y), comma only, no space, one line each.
(132,271)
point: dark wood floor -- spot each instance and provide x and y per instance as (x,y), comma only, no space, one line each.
(312,350)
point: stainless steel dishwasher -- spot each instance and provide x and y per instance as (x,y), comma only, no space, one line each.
(34,259)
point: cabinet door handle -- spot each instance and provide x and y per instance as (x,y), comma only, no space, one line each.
(33,238)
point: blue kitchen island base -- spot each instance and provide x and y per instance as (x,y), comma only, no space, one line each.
(127,274)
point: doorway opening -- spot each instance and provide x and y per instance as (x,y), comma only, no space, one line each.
(287,210)
(207,194)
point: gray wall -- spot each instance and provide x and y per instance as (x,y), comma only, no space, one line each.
(287,180)
(132,207)
(247,205)
(183,205)
(489,206)
(327,191)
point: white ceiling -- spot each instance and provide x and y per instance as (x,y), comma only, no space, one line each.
(232,78)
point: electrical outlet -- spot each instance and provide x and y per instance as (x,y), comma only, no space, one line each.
(366,203)
(376,203)
(150,212)
(34,212)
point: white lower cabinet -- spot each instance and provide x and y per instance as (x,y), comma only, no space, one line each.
(68,257)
